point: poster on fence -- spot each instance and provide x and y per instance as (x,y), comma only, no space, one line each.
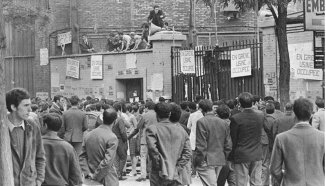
(302,62)
(64,38)
(97,67)
(187,60)
(240,63)
(72,68)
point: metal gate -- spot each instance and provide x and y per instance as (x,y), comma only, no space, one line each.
(212,77)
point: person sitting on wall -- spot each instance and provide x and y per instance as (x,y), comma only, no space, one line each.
(156,16)
(125,41)
(112,44)
(135,41)
(86,46)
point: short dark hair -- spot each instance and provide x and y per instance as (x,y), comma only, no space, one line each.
(245,99)
(34,107)
(120,33)
(270,108)
(255,98)
(198,98)
(141,109)
(105,106)
(150,105)
(43,106)
(56,98)
(74,100)
(230,103)
(206,105)
(175,113)
(117,106)
(289,107)
(223,111)
(53,121)
(161,99)
(320,103)
(302,109)
(162,110)
(109,116)
(184,105)
(192,105)
(135,108)
(98,106)
(277,105)
(156,6)
(129,107)
(268,98)
(15,96)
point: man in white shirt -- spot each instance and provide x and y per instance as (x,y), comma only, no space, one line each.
(125,41)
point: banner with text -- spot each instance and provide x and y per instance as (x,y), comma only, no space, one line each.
(64,38)
(187,60)
(72,68)
(302,62)
(240,63)
(97,67)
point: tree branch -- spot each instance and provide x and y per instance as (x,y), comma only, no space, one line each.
(271,8)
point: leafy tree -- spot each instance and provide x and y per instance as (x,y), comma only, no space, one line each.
(280,17)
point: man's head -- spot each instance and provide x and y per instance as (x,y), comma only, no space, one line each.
(84,37)
(120,34)
(161,99)
(245,100)
(268,98)
(184,105)
(223,111)
(230,103)
(255,99)
(320,103)
(192,107)
(198,98)
(277,105)
(289,107)
(270,108)
(132,35)
(175,113)
(156,9)
(18,103)
(162,110)
(206,105)
(109,116)
(59,100)
(302,109)
(150,105)
(51,122)
(74,100)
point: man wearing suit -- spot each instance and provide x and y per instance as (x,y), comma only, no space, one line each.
(156,16)
(168,148)
(284,123)
(213,144)
(318,120)
(298,154)
(99,151)
(86,46)
(246,131)
(57,105)
(28,157)
(74,124)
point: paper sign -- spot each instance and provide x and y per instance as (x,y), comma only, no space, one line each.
(187,60)
(136,99)
(96,67)
(240,63)
(72,68)
(64,38)
(314,15)
(55,79)
(131,61)
(157,81)
(42,95)
(302,62)
(44,56)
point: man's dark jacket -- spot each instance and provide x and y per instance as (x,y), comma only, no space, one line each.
(156,19)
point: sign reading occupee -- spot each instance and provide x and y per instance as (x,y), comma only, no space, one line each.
(240,63)
(72,68)
(96,67)
(187,59)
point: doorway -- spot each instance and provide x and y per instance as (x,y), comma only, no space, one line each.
(134,89)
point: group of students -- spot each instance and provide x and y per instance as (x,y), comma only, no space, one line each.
(241,141)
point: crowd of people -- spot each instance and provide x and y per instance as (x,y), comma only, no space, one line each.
(238,141)
(119,41)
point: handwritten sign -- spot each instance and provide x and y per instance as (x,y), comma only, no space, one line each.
(64,38)
(187,59)
(72,68)
(302,62)
(96,67)
(44,56)
(240,63)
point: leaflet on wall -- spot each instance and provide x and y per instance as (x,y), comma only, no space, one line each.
(97,67)
(72,68)
(131,61)
(55,79)
(240,63)
(157,81)
(187,61)
(302,62)
(44,56)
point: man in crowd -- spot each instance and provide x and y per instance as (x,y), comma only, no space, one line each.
(135,41)
(156,17)
(57,104)
(125,41)
(28,157)
(318,120)
(149,118)
(74,124)
(184,116)
(168,148)
(62,165)
(86,46)
(298,154)
(99,151)
(246,130)
(284,123)
(213,144)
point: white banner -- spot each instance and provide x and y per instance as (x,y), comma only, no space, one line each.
(240,63)
(302,62)
(72,68)
(96,67)
(64,38)
(44,56)
(187,60)
(314,15)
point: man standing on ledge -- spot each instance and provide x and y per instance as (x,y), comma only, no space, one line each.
(156,17)
(28,157)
